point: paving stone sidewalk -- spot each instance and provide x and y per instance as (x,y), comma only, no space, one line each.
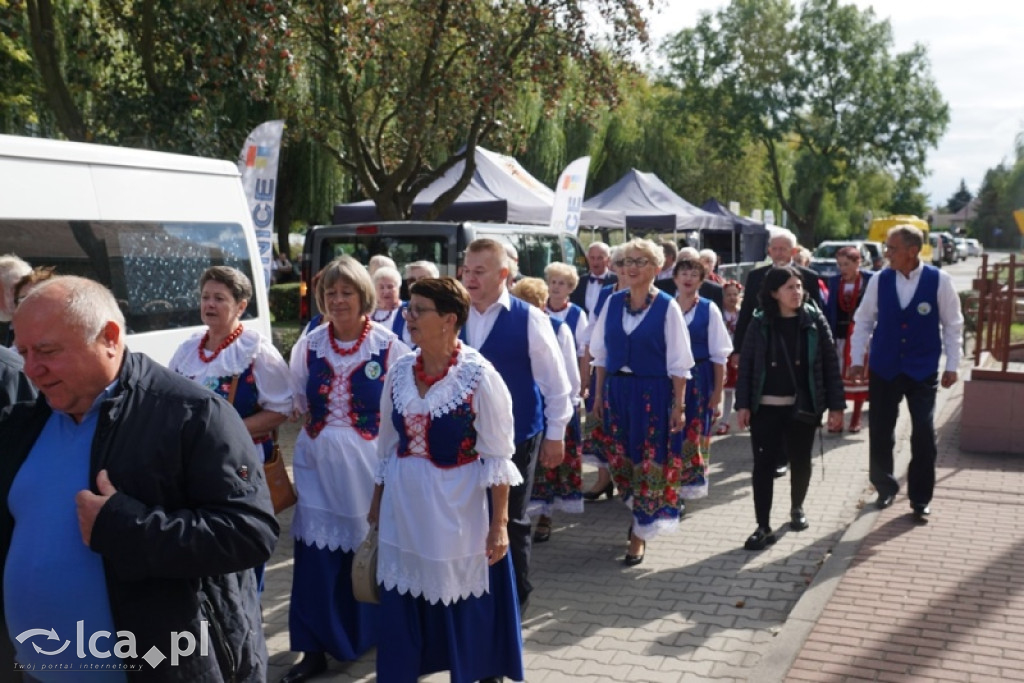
(700,607)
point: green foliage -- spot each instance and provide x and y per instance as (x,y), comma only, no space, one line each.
(820,81)
(402,86)
(284,302)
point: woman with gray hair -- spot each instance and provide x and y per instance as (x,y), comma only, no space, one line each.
(338,372)
(642,357)
(387,284)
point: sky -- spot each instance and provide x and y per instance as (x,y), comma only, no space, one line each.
(977,61)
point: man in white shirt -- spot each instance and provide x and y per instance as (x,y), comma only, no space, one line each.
(519,341)
(911,314)
(589,288)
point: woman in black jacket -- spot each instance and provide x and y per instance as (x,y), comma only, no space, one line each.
(788,377)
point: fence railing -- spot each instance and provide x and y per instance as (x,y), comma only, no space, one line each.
(994,307)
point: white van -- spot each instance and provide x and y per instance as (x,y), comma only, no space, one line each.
(145,224)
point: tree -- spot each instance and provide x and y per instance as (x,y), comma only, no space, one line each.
(185,76)
(821,82)
(908,200)
(994,215)
(405,90)
(961,198)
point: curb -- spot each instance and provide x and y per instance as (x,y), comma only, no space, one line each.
(788,643)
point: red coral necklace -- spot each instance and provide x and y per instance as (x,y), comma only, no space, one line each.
(430,380)
(355,347)
(552,309)
(223,345)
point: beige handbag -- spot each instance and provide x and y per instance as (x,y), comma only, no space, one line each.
(364,570)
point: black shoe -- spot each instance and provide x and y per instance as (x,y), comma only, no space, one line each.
(921,513)
(634,560)
(311,664)
(543,531)
(608,491)
(798,520)
(760,539)
(780,471)
(884,500)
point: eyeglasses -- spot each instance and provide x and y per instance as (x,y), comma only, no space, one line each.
(641,262)
(619,263)
(414,312)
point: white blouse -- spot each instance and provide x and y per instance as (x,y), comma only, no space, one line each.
(268,367)
(434,521)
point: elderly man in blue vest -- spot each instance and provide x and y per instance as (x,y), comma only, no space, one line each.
(519,341)
(911,313)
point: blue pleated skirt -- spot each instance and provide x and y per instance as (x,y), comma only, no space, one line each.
(324,615)
(473,638)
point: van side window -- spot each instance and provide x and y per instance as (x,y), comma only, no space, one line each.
(152,268)
(403,249)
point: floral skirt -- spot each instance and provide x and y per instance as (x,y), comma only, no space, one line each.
(561,488)
(694,441)
(638,445)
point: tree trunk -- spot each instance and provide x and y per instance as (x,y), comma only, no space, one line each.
(44,48)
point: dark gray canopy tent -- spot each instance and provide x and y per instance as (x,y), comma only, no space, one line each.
(745,240)
(641,202)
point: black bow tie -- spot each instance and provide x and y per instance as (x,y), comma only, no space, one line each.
(594,278)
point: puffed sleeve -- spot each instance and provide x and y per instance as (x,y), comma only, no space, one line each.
(387,435)
(273,379)
(493,406)
(300,374)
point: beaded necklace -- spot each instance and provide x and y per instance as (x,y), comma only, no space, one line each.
(387,314)
(355,347)
(552,309)
(430,380)
(638,311)
(223,345)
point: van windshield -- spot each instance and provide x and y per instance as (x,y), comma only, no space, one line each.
(152,268)
(402,249)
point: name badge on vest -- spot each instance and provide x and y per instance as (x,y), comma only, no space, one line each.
(924,308)
(372,370)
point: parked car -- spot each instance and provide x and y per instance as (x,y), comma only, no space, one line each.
(960,248)
(877,250)
(948,247)
(937,249)
(823,258)
(974,247)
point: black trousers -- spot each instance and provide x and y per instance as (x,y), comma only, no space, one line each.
(885,396)
(520,537)
(775,437)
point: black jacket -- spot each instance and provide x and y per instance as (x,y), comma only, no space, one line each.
(190,519)
(826,390)
(752,297)
(15,386)
(579,295)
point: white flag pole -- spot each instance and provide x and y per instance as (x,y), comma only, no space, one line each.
(568,202)
(258,165)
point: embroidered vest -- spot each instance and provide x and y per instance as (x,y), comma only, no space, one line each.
(450,438)
(365,384)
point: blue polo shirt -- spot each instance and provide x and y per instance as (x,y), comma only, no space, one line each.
(52,580)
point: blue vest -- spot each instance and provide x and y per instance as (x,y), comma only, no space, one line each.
(644,350)
(602,297)
(365,385)
(508,349)
(698,329)
(572,318)
(907,341)
(451,438)
(398,323)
